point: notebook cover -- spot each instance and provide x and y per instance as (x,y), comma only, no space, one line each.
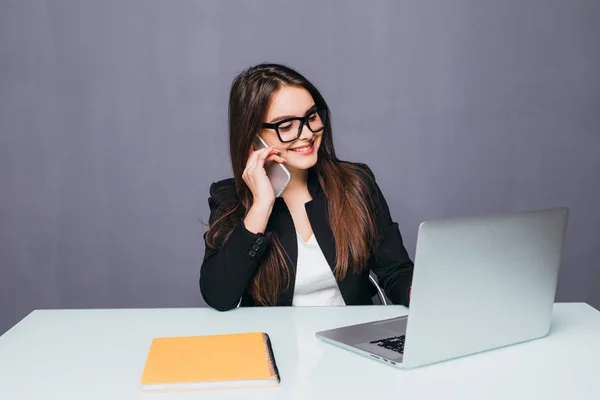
(215,358)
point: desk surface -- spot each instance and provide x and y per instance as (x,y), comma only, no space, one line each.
(100,354)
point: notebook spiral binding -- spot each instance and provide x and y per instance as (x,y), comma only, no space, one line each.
(272,363)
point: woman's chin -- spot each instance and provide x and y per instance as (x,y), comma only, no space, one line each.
(297,163)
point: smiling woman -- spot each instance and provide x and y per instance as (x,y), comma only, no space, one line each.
(317,243)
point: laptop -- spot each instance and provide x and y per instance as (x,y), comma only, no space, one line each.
(479,283)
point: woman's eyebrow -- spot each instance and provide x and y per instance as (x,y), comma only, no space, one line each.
(282,117)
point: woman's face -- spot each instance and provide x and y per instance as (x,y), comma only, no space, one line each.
(292,101)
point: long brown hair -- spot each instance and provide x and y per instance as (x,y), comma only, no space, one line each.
(350,207)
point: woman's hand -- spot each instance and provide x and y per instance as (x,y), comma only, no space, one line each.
(256,177)
(259,184)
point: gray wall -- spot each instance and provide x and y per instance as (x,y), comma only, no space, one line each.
(113,125)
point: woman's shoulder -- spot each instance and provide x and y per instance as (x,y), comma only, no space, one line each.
(364,170)
(222,191)
(368,176)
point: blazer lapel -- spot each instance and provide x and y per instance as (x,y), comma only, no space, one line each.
(282,225)
(318,215)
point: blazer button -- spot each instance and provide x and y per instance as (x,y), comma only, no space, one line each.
(255,247)
(252,253)
(259,241)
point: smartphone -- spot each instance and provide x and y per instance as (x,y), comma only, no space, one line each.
(277,173)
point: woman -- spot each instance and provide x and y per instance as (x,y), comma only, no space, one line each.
(318,241)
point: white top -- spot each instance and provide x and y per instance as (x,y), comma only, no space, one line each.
(315,284)
(100,354)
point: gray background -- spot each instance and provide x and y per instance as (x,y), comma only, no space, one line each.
(113,125)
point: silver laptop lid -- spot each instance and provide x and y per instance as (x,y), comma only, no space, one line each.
(482,283)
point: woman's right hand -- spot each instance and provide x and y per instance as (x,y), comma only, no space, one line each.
(256,177)
(263,194)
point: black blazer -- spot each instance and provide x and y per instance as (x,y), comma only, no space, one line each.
(226,272)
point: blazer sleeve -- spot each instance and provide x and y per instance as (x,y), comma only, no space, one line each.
(226,271)
(391,262)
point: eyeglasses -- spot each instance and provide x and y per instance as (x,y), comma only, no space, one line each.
(290,129)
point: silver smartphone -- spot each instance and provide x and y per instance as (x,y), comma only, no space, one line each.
(277,173)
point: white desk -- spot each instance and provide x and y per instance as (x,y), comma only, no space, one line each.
(100,354)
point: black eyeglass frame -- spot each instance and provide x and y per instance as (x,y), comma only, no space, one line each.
(303,121)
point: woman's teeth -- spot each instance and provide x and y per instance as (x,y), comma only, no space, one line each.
(303,148)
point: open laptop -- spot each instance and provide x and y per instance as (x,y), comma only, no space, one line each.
(479,283)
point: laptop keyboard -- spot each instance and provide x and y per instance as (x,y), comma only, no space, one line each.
(394,343)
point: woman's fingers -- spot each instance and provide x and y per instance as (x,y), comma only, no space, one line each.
(260,161)
(276,158)
(255,156)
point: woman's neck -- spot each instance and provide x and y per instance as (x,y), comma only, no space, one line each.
(297,185)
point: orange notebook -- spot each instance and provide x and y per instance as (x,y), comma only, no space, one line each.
(210,362)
